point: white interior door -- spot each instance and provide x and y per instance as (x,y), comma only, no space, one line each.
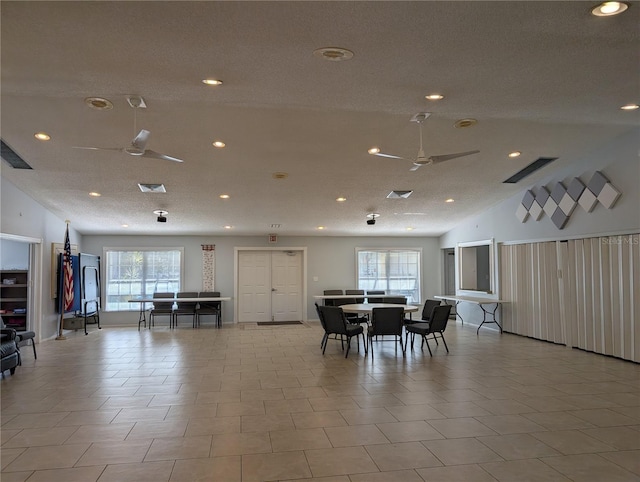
(269,286)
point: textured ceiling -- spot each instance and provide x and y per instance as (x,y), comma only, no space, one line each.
(543,78)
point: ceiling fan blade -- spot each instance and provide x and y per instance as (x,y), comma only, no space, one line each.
(382,154)
(157,155)
(416,167)
(447,157)
(140,141)
(98,148)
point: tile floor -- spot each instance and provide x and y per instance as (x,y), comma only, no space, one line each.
(248,403)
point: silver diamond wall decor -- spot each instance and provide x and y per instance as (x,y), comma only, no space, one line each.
(560,203)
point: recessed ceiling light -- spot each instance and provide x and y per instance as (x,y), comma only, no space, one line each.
(228,226)
(409,228)
(42,136)
(224,196)
(95,194)
(462,123)
(514,154)
(434,97)
(280,175)
(320,228)
(219,144)
(450,200)
(630,107)
(212,81)
(333,54)
(124,225)
(607,9)
(98,103)
(374,150)
(341,199)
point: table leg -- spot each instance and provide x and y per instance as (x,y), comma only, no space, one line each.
(492,314)
(142,318)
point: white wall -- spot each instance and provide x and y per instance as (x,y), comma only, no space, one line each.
(14,255)
(330,259)
(22,216)
(618,161)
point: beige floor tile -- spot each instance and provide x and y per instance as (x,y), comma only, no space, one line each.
(266,423)
(21,476)
(145,472)
(628,459)
(518,446)
(366,416)
(531,470)
(179,448)
(88,417)
(300,439)
(76,474)
(140,414)
(35,437)
(461,427)
(458,409)
(392,476)
(590,468)
(355,435)
(127,402)
(456,473)
(276,466)
(230,409)
(570,442)
(604,417)
(415,412)
(461,451)
(340,461)
(377,400)
(188,412)
(216,469)
(287,406)
(505,424)
(240,444)
(100,433)
(35,420)
(212,426)
(9,455)
(333,403)
(409,431)
(622,438)
(206,397)
(318,419)
(104,453)
(558,420)
(41,458)
(147,430)
(398,456)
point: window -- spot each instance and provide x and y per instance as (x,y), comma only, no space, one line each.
(397,271)
(133,273)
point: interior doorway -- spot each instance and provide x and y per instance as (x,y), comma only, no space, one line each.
(270,284)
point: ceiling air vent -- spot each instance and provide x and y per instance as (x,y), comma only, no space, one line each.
(530,169)
(152,187)
(399,194)
(13,159)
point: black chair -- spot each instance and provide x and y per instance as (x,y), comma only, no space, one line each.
(185,308)
(398,300)
(386,321)
(437,325)
(375,292)
(356,292)
(335,323)
(9,352)
(23,336)
(209,308)
(331,301)
(427,309)
(161,308)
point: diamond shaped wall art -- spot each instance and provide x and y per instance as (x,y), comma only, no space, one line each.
(561,201)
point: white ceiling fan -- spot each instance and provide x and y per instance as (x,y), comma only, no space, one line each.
(421,159)
(139,142)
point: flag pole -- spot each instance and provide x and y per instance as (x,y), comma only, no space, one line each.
(62,288)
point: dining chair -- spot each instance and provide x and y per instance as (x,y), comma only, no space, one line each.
(427,309)
(335,323)
(398,300)
(386,321)
(185,308)
(209,308)
(436,326)
(356,292)
(161,308)
(375,292)
(330,301)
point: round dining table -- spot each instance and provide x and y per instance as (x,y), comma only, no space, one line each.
(367,308)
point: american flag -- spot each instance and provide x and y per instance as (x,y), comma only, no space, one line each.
(68,273)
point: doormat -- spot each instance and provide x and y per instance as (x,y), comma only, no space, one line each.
(275,323)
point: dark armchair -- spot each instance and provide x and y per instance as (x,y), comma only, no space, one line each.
(335,323)
(437,325)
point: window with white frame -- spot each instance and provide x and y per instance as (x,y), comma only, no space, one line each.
(138,273)
(397,271)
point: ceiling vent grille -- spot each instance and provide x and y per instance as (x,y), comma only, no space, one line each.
(12,158)
(530,169)
(152,187)
(399,194)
